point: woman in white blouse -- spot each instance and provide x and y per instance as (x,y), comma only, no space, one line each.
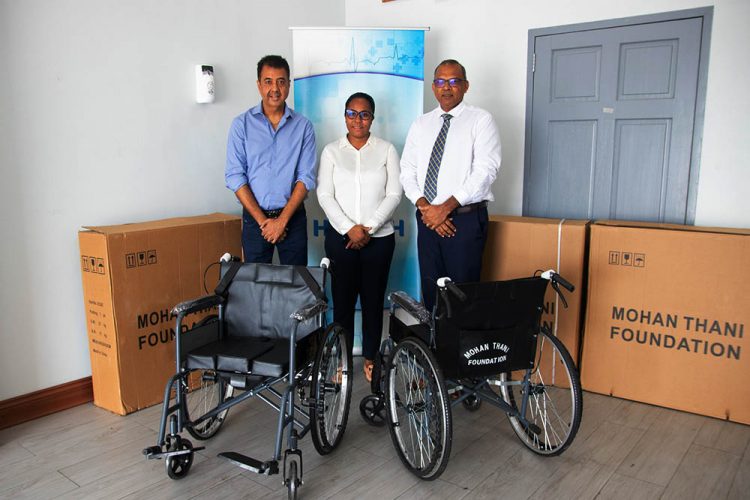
(359,189)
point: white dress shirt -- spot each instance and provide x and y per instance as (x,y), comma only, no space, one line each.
(471,158)
(359,186)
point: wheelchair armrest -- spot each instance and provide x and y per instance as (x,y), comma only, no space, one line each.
(411,306)
(309,311)
(195,305)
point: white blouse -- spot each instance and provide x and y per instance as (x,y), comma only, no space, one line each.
(359,186)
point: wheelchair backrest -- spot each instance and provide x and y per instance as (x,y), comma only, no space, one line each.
(491,332)
(262,297)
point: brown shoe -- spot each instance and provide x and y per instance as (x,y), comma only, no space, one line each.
(367,368)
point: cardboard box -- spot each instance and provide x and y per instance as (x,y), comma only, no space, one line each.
(518,246)
(667,318)
(133,274)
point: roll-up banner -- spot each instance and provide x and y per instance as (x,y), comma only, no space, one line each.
(329,65)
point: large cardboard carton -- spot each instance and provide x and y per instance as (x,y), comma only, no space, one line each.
(667,317)
(518,246)
(133,274)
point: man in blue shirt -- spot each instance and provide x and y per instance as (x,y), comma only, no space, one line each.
(271,165)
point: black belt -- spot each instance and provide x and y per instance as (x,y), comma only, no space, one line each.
(273,214)
(469,208)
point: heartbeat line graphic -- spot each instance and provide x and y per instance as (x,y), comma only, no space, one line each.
(372,60)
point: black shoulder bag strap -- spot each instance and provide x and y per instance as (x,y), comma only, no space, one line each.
(311,283)
(226,280)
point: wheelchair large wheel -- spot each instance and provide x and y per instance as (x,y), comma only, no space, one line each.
(332,390)
(554,405)
(419,413)
(204,391)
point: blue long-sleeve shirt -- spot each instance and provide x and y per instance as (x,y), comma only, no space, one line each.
(270,161)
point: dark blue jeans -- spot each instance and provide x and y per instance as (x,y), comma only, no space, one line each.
(292,249)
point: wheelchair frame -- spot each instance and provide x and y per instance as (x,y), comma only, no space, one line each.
(420,411)
(175,418)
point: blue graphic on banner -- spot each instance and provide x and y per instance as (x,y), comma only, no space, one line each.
(329,66)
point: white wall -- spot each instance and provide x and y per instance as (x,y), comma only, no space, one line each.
(98,125)
(490,38)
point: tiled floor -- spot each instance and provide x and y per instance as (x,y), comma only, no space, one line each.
(623,450)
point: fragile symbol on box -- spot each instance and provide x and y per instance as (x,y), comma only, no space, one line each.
(629,259)
(92,264)
(140,258)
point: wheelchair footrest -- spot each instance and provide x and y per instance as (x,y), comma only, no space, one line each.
(268,468)
(155,452)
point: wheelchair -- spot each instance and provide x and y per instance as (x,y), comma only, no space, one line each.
(269,340)
(483,342)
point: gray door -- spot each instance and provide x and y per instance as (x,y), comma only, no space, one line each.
(612,122)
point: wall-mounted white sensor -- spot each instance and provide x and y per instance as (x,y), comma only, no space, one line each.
(204,83)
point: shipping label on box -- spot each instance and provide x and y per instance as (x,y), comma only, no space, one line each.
(133,274)
(667,317)
(519,246)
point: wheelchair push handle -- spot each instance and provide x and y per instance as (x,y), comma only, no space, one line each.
(556,278)
(447,283)
(558,281)
(228,257)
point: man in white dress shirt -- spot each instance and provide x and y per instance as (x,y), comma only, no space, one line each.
(450,160)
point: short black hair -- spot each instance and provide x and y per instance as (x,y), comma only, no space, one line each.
(361,95)
(452,62)
(277,62)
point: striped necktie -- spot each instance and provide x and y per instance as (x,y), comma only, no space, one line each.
(430,181)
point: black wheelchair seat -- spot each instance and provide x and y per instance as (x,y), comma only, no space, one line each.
(255,340)
(255,356)
(231,354)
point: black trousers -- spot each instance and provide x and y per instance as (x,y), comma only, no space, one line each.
(458,258)
(364,274)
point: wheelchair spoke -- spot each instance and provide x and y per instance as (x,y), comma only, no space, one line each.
(332,388)
(203,391)
(414,401)
(332,422)
(552,410)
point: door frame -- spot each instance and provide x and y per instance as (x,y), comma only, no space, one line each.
(706,13)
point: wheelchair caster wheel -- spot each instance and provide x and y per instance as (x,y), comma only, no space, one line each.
(293,482)
(372,409)
(178,466)
(472,403)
